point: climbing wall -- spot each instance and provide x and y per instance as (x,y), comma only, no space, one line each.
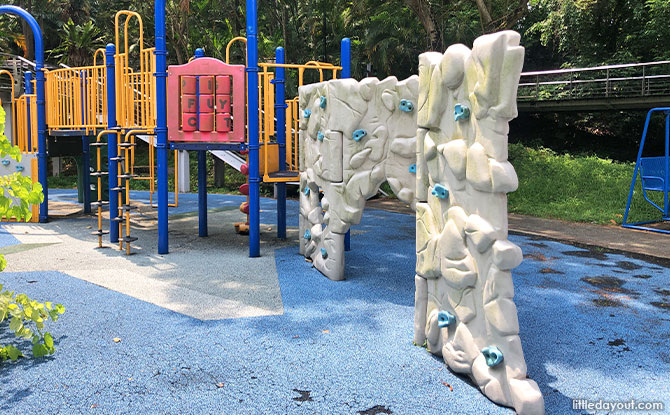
(354,136)
(464,292)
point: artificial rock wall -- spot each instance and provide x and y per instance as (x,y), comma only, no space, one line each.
(464,308)
(353,137)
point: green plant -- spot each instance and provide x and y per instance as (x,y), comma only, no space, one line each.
(27,318)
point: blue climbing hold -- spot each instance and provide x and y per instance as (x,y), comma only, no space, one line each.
(324,253)
(307,235)
(412,168)
(320,136)
(322,104)
(19,167)
(306,191)
(5,162)
(461,112)
(406,105)
(440,191)
(307,113)
(445,319)
(359,135)
(493,356)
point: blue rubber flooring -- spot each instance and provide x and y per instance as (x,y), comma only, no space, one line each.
(594,325)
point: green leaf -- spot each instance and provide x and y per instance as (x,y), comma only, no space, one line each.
(40,350)
(13,352)
(15,324)
(48,340)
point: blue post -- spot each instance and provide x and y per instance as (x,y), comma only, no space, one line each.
(161,127)
(202,193)
(86,167)
(280,112)
(253,110)
(637,166)
(667,160)
(29,91)
(345,62)
(112,150)
(85,151)
(41,114)
(202,175)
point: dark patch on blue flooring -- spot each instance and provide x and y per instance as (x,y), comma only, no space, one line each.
(376,410)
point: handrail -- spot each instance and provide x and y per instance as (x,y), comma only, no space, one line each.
(233,40)
(593,68)
(609,81)
(13,118)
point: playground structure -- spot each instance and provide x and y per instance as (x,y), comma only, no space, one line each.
(112,103)
(354,136)
(654,173)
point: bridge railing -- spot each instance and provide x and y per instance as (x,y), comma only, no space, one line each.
(77,98)
(601,82)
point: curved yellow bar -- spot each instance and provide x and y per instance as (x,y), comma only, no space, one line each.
(233,40)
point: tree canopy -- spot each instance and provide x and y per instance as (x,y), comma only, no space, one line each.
(387,35)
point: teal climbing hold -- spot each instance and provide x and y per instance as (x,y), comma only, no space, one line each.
(445,319)
(493,356)
(322,104)
(461,112)
(440,191)
(359,135)
(307,235)
(320,136)
(5,162)
(412,168)
(406,105)
(324,253)
(19,167)
(306,191)
(307,113)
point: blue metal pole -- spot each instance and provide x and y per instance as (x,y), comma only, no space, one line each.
(202,193)
(29,90)
(161,127)
(253,110)
(85,151)
(112,150)
(345,57)
(345,62)
(41,114)
(667,160)
(280,112)
(637,166)
(86,167)
(202,174)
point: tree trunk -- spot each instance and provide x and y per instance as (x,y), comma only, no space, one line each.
(433,36)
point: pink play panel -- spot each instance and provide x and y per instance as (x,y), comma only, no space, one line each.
(206,102)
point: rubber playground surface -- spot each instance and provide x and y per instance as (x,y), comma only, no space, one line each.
(205,330)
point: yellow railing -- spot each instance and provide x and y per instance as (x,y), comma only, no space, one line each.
(76,98)
(268,126)
(12,118)
(292,139)
(21,131)
(136,89)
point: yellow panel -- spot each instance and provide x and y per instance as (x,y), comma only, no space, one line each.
(34,173)
(273,161)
